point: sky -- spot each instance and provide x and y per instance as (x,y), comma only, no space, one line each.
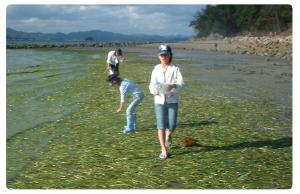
(125,19)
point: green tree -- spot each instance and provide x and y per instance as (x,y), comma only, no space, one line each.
(229,20)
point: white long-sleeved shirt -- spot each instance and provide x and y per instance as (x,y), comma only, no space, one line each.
(112,58)
(160,81)
(129,87)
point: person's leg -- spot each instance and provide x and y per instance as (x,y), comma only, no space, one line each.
(134,121)
(138,99)
(130,113)
(129,124)
(161,138)
(168,139)
(172,120)
(112,69)
(161,116)
(117,69)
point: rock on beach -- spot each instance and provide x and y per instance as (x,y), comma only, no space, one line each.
(272,46)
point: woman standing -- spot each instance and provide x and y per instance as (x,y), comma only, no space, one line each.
(166,81)
(114,58)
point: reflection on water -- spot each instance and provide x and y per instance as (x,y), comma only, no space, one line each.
(36,82)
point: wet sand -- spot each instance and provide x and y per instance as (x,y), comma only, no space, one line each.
(269,77)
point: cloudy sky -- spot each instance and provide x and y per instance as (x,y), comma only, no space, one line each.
(126,19)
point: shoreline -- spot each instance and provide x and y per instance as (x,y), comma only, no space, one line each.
(76,45)
(280,46)
(269,46)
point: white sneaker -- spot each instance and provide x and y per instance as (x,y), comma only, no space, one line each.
(163,156)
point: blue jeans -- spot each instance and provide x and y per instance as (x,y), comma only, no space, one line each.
(166,116)
(130,112)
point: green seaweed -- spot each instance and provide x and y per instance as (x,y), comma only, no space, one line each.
(244,143)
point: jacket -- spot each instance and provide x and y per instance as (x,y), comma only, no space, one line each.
(112,58)
(129,87)
(159,84)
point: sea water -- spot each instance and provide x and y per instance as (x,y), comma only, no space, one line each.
(34,82)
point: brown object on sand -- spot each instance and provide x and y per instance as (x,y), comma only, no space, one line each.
(188,141)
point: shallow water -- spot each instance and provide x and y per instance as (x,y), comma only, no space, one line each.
(35,80)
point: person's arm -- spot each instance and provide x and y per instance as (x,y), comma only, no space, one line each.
(120,107)
(172,86)
(122,97)
(109,57)
(120,59)
(153,84)
(107,66)
(178,82)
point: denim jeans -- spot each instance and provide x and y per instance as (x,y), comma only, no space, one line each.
(166,116)
(130,112)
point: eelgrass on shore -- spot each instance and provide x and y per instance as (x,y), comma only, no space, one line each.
(243,143)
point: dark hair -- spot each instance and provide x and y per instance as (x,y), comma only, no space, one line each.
(119,52)
(113,79)
(171,57)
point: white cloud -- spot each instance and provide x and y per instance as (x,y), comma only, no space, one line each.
(83,8)
(127,19)
(32,20)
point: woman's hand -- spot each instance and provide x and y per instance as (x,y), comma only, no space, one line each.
(120,107)
(171,86)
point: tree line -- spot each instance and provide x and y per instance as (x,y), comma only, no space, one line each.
(230,20)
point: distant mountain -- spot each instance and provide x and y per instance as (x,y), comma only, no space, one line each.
(93,35)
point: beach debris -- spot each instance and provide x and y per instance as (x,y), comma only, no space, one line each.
(188,142)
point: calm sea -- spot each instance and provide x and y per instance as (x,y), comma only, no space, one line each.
(35,80)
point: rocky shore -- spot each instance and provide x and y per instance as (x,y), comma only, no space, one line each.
(76,45)
(271,46)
